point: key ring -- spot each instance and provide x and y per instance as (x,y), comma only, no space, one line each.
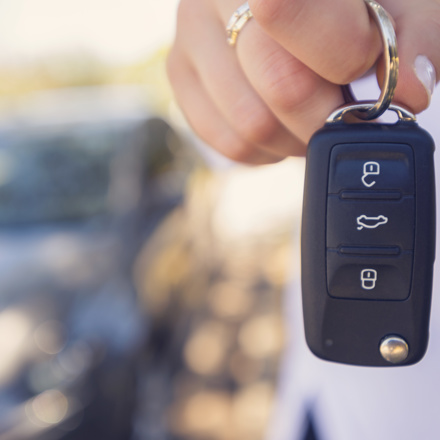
(391,58)
(361,107)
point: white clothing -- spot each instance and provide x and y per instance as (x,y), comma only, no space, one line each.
(361,403)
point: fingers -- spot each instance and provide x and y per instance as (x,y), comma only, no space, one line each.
(339,41)
(299,97)
(206,120)
(263,99)
(201,45)
(336,39)
(418,35)
(230,90)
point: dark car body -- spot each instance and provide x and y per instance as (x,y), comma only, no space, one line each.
(85,176)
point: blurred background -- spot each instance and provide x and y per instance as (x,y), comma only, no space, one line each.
(141,276)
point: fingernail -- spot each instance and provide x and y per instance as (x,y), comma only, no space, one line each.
(425,71)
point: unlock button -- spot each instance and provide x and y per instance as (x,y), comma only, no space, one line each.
(371,167)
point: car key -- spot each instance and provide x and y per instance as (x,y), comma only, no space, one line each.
(368,237)
(368,229)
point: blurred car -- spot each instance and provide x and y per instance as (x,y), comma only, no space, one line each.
(85,176)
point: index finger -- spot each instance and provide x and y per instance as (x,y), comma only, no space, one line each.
(337,39)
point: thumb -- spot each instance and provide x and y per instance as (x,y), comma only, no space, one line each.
(418,36)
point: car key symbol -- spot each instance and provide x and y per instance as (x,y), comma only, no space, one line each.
(368,279)
(370,168)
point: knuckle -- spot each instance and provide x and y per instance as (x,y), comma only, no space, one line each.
(265,11)
(352,60)
(269,13)
(347,73)
(354,65)
(235,149)
(287,84)
(257,125)
(226,141)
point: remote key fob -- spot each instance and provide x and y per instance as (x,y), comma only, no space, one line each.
(368,242)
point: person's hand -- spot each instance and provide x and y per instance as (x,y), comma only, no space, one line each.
(261,100)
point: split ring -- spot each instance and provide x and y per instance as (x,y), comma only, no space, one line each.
(391,58)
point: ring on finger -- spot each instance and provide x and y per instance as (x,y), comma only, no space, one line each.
(236,23)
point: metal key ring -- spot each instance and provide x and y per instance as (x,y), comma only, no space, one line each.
(391,58)
(362,107)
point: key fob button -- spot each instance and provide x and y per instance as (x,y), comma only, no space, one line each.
(369,277)
(372,222)
(371,168)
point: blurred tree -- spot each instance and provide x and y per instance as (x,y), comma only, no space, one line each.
(82,68)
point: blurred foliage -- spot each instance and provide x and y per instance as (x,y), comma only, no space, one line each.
(213,291)
(217,330)
(82,68)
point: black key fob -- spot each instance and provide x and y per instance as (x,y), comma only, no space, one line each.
(368,242)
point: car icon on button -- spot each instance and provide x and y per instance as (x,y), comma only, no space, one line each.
(364,221)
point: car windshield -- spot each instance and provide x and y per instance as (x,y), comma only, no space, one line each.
(49,174)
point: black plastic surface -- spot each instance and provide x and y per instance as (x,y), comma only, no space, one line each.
(368,240)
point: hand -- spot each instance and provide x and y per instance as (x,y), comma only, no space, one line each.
(261,100)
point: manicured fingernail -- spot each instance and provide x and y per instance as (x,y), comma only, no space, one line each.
(425,71)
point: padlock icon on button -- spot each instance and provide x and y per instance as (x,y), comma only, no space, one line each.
(370,169)
(368,279)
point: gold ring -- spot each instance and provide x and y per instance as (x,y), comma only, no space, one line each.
(236,23)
